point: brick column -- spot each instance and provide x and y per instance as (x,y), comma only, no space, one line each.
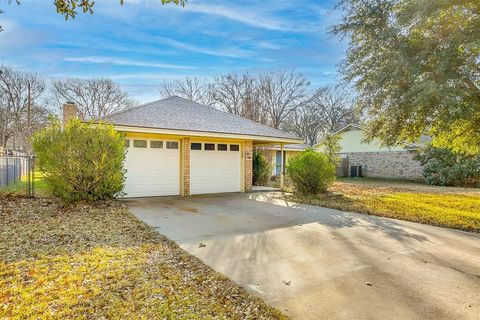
(70,111)
(186,166)
(248,169)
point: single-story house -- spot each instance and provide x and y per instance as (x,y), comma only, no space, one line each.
(180,147)
(371,159)
(273,154)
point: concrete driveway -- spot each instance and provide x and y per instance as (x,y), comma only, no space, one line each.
(317,263)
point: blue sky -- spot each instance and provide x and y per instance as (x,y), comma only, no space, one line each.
(142,42)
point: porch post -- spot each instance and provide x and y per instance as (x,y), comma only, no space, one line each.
(281,166)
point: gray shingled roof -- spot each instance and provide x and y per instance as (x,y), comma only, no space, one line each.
(181,114)
(299,146)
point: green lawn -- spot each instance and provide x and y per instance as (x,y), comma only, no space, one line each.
(100,262)
(441,206)
(20,187)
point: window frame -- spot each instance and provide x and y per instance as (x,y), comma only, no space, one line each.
(196,143)
(222,144)
(236,146)
(169,143)
(209,144)
(140,140)
(154,141)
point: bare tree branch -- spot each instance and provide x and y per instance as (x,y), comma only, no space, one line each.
(14,86)
(281,94)
(335,108)
(239,94)
(193,89)
(94,97)
(305,122)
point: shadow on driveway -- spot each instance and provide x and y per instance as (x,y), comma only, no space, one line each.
(315,262)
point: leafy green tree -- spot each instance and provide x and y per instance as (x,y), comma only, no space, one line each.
(311,172)
(82,161)
(261,169)
(330,146)
(416,67)
(69,8)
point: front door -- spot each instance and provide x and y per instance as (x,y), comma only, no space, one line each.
(279,161)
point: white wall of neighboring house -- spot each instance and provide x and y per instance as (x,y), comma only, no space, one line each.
(352,141)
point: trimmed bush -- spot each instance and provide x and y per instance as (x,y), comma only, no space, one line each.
(311,172)
(443,167)
(83,161)
(261,169)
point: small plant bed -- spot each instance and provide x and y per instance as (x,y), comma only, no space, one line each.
(449,207)
(99,262)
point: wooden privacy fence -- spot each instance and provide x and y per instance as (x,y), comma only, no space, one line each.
(18,170)
(342,168)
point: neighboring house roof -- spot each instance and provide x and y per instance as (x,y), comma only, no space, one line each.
(176,113)
(348,127)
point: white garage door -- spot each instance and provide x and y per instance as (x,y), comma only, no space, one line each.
(214,168)
(153,168)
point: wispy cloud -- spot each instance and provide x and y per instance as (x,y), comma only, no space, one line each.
(224,52)
(150,76)
(125,62)
(269,45)
(245,16)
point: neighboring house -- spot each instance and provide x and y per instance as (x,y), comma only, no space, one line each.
(273,155)
(179,147)
(373,160)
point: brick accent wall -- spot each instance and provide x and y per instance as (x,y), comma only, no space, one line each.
(186,166)
(391,164)
(248,166)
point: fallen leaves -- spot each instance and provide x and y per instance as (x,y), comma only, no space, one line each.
(99,261)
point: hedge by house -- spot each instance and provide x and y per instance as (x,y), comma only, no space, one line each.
(311,172)
(82,161)
(443,167)
(261,169)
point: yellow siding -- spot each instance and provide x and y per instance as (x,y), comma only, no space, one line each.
(140,135)
(351,141)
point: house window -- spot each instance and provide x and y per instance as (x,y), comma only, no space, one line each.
(209,146)
(234,147)
(156,144)
(222,147)
(127,143)
(139,143)
(172,145)
(196,146)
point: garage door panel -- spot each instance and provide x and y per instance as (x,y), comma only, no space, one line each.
(215,171)
(152,172)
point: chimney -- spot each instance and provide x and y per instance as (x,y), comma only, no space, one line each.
(70,111)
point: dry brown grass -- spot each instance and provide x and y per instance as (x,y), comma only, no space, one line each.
(100,262)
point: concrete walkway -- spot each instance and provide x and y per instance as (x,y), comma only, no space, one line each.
(317,263)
